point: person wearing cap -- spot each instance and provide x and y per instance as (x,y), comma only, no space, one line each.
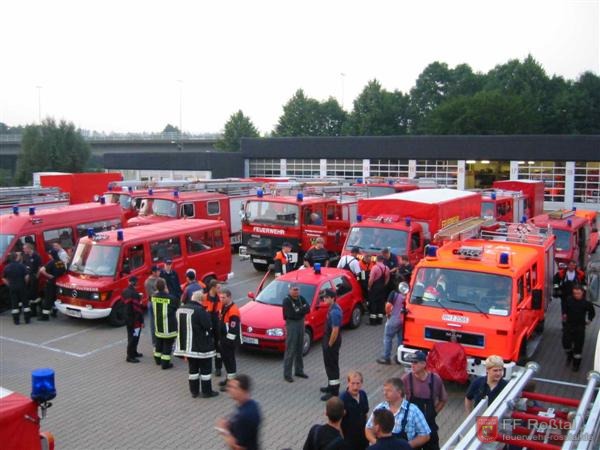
(317,254)
(150,289)
(171,278)
(15,277)
(350,262)
(294,308)
(212,304)
(194,341)
(231,334)
(331,342)
(391,261)
(426,390)
(377,286)
(134,319)
(282,260)
(33,262)
(574,311)
(409,421)
(192,285)
(405,268)
(51,271)
(489,385)
(164,305)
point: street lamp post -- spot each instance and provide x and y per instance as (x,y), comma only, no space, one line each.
(180,82)
(39,92)
(343,76)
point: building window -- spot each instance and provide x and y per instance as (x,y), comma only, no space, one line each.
(587,182)
(345,168)
(389,168)
(266,167)
(303,168)
(443,172)
(552,173)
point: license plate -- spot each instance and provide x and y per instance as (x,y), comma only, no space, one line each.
(260,261)
(249,340)
(73,312)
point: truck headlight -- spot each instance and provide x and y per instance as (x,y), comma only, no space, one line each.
(96,296)
(275,332)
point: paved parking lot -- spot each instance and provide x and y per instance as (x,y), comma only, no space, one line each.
(104,403)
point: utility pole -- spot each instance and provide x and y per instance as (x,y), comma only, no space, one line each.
(39,92)
(180,82)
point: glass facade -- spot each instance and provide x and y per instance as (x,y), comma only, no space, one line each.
(267,167)
(303,168)
(345,168)
(587,182)
(389,168)
(444,172)
(552,173)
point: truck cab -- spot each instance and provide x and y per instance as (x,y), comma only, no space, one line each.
(503,206)
(488,294)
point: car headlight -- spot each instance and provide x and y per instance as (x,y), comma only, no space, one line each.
(275,332)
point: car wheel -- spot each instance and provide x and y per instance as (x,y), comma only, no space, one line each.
(356,316)
(117,315)
(307,341)
(260,267)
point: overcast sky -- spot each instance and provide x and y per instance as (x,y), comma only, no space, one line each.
(114,65)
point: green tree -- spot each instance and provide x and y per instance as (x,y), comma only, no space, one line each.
(51,147)
(584,104)
(304,116)
(487,112)
(170,129)
(378,112)
(237,127)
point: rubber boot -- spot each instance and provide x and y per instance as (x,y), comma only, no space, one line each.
(569,357)
(157,356)
(27,315)
(16,319)
(207,391)
(576,364)
(195,388)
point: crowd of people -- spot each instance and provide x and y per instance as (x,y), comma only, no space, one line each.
(201,324)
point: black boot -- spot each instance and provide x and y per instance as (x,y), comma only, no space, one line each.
(207,390)
(195,388)
(324,389)
(16,319)
(576,364)
(569,357)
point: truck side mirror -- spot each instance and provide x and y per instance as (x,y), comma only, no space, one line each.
(536,299)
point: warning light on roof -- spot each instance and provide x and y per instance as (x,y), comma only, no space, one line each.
(431,252)
(359,180)
(493,196)
(32,211)
(110,187)
(259,193)
(120,235)
(359,217)
(574,208)
(317,268)
(16,210)
(407,221)
(504,259)
(43,388)
(523,219)
(390,182)
(150,192)
(176,193)
(102,200)
(130,188)
(569,222)
(90,232)
(299,196)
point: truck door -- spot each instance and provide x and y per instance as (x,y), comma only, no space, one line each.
(313,225)
(518,209)
(187,210)
(416,245)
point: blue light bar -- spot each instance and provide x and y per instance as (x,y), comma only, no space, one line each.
(299,196)
(42,385)
(16,210)
(359,217)
(259,193)
(432,251)
(90,232)
(120,235)
(150,192)
(32,211)
(317,268)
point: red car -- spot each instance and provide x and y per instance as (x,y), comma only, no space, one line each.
(263,326)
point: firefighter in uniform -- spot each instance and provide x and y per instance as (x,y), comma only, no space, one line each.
(378,281)
(575,309)
(195,341)
(164,306)
(33,262)
(52,270)
(564,280)
(352,263)
(212,305)
(230,325)
(332,340)
(15,277)
(134,319)
(282,260)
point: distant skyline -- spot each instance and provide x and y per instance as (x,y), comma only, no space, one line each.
(135,66)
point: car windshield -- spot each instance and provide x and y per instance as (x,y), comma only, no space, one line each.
(5,240)
(276,213)
(167,208)
(94,259)
(377,191)
(462,290)
(563,240)
(373,240)
(276,291)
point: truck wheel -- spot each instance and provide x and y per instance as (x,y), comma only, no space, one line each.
(355,317)
(307,341)
(260,267)
(117,314)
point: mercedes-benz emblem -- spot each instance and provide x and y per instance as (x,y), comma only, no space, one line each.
(250,329)
(74,293)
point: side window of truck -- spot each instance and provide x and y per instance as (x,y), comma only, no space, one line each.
(134,257)
(218,237)
(164,249)
(528,281)
(187,210)
(213,208)
(534,275)
(19,243)
(64,236)
(199,241)
(520,290)
(415,241)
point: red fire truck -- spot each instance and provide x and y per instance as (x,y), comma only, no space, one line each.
(573,235)
(270,221)
(533,191)
(488,293)
(103,263)
(408,221)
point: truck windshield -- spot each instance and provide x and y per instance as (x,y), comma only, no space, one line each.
(271,213)
(276,291)
(167,208)
(93,259)
(373,239)
(488,210)
(5,240)
(377,191)
(563,239)
(462,290)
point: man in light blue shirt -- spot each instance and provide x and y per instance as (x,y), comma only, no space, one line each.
(409,421)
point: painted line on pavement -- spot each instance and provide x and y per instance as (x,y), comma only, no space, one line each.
(69,335)
(244,281)
(64,352)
